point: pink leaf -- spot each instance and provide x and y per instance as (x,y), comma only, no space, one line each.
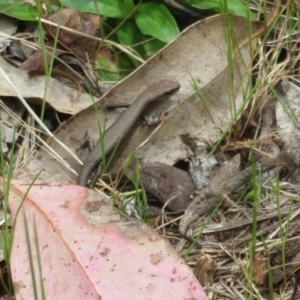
(88,251)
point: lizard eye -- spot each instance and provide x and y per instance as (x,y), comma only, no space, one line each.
(169,92)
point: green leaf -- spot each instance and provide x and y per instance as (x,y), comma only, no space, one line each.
(249,196)
(114,71)
(155,20)
(236,7)
(151,47)
(239,8)
(202,4)
(18,10)
(119,9)
(129,34)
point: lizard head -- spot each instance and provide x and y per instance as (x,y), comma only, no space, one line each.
(163,90)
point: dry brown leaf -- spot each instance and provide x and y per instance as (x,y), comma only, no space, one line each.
(288,120)
(204,269)
(170,185)
(59,96)
(81,46)
(81,22)
(9,122)
(36,60)
(8,26)
(260,270)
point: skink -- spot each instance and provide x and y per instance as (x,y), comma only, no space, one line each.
(159,91)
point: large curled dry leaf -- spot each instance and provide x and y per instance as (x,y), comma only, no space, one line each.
(87,249)
(199,53)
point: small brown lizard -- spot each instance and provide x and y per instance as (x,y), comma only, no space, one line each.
(159,91)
